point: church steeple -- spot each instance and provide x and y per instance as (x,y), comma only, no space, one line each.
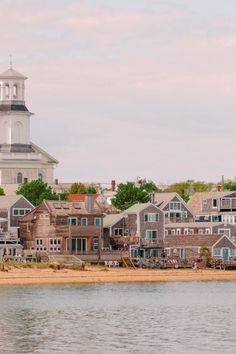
(14,116)
(12,87)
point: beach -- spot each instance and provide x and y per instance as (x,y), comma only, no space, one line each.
(29,276)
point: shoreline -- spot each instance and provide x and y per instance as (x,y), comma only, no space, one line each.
(93,275)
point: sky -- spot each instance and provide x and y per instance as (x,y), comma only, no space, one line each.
(128,88)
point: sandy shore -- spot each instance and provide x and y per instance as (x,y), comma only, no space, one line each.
(99,275)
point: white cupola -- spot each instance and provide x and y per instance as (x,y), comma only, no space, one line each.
(12,87)
(14,115)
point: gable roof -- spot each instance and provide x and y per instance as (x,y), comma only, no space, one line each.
(112,219)
(191,240)
(136,208)
(195,201)
(6,201)
(162,199)
(43,152)
(192,224)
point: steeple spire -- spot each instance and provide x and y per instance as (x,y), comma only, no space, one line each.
(10,61)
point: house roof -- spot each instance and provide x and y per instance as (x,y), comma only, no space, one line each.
(136,208)
(43,152)
(191,240)
(162,199)
(6,201)
(69,208)
(195,201)
(12,74)
(112,219)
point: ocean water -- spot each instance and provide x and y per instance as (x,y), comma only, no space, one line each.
(181,317)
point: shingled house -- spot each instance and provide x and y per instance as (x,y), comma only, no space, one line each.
(139,229)
(189,246)
(57,227)
(174,207)
(12,208)
(214,206)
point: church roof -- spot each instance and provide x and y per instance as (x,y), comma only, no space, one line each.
(12,74)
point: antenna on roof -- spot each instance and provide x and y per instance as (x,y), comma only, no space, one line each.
(10,61)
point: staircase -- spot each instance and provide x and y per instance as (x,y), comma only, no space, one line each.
(127,262)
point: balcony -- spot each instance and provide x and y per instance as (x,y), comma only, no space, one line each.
(228,204)
(154,243)
(124,240)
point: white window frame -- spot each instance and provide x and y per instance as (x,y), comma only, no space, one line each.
(222,231)
(70,218)
(117,233)
(151,217)
(16,211)
(171,204)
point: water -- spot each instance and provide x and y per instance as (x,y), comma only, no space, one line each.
(196,317)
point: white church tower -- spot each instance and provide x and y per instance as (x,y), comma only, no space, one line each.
(20,159)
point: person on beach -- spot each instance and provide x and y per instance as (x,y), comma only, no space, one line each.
(194,266)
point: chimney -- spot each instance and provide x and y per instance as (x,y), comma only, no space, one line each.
(113,185)
(89,202)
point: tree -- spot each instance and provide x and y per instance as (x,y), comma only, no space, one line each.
(230,185)
(149,186)
(186,188)
(37,190)
(128,194)
(2,191)
(80,188)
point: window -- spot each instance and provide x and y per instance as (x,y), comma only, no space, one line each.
(20,211)
(217,251)
(151,234)
(95,244)
(118,231)
(232,252)
(208,231)
(55,244)
(191,232)
(178,232)
(200,231)
(97,221)
(84,221)
(72,221)
(185,231)
(204,202)
(44,216)
(214,203)
(175,206)
(150,217)
(168,251)
(19,178)
(173,232)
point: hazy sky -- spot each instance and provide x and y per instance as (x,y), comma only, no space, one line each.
(128,88)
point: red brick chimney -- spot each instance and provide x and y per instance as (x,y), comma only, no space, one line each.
(113,185)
